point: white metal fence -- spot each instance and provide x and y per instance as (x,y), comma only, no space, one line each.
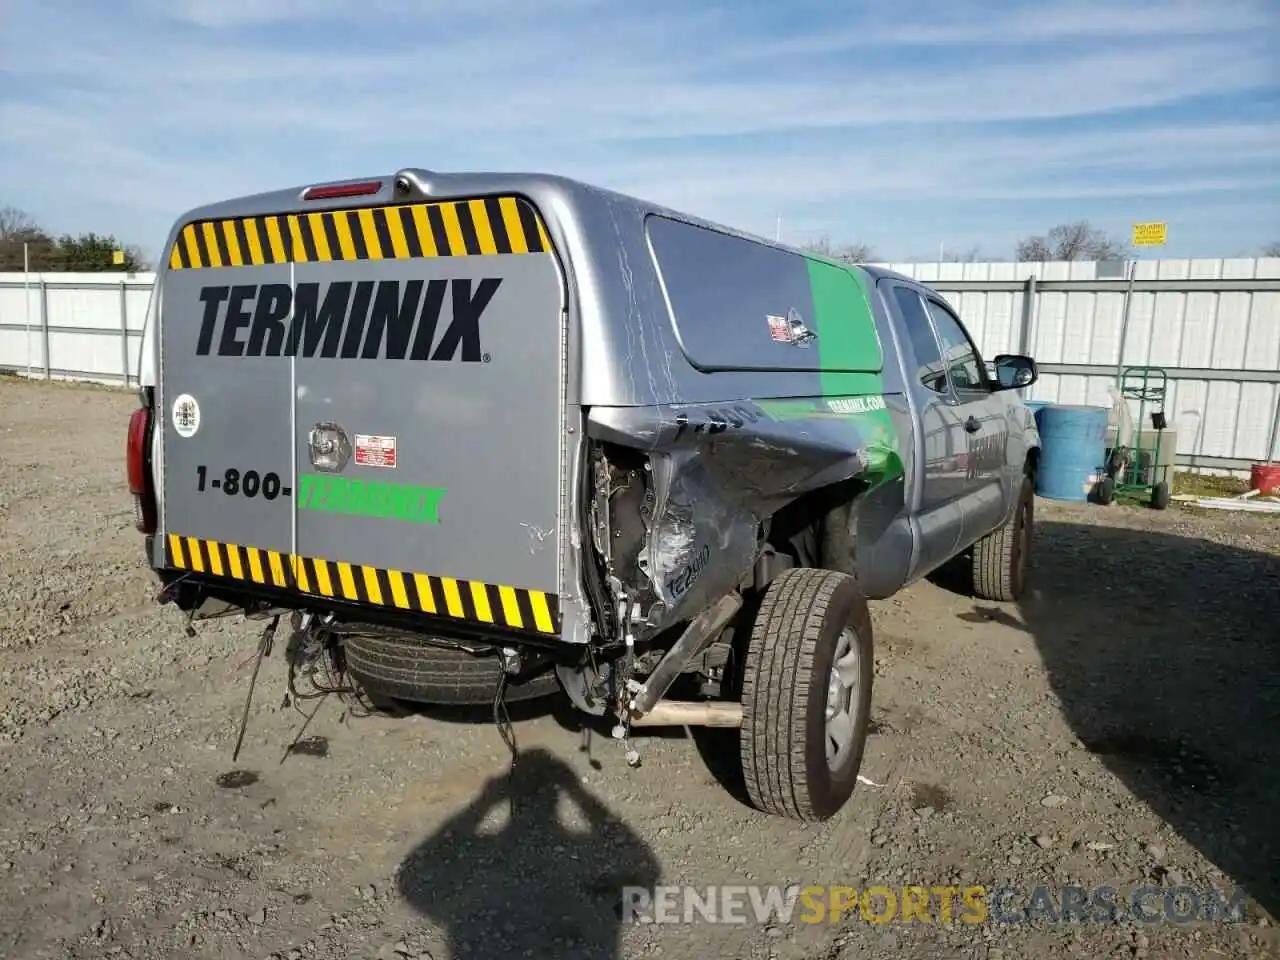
(75,326)
(1213,324)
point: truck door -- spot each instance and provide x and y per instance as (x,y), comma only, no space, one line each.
(984,430)
(227,412)
(942,446)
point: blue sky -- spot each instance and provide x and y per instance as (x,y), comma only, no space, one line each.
(903,125)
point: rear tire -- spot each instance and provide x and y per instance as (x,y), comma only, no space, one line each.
(1002,557)
(401,669)
(806,617)
(1105,492)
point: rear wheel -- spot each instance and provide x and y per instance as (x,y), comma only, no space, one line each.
(401,669)
(1160,496)
(1001,558)
(806,694)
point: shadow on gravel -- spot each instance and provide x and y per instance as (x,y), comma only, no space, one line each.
(1165,654)
(529,886)
(718,748)
(556,706)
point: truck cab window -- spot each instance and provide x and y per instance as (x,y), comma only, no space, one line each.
(931,369)
(962,359)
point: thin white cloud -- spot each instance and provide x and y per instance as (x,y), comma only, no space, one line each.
(180,102)
(1091,20)
(601,95)
(232,14)
(749,189)
(879,23)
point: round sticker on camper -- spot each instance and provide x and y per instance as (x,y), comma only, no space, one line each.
(186,415)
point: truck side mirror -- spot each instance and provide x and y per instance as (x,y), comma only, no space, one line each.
(1014,371)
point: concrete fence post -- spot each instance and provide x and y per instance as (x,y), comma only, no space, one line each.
(1029,297)
(1124,320)
(44,327)
(124,331)
(1275,431)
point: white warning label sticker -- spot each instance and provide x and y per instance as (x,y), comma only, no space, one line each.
(375,451)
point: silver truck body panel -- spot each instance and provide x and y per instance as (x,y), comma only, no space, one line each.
(439,377)
(645,328)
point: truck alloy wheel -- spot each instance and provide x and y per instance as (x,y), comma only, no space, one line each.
(806,697)
(842,688)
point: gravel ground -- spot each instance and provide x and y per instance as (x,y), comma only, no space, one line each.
(1119,728)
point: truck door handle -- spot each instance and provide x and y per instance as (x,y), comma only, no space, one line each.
(972,425)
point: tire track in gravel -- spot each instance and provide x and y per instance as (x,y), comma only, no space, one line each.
(130,833)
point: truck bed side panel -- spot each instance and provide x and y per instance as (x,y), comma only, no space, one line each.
(721,469)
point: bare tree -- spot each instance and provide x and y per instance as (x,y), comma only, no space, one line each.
(849,253)
(23,242)
(1034,249)
(971,255)
(1271,250)
(15,223)
(1072,241)
(135,255)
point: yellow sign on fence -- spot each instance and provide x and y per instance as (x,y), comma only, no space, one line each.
(1149,234)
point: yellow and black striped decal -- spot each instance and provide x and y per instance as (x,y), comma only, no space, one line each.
(469,600)
(484,227)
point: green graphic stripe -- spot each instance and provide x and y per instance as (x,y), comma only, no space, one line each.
(846,332)
(847,340)
(360,498)
(832,408)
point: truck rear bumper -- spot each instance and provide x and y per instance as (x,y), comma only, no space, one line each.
(308,581)
(205,596)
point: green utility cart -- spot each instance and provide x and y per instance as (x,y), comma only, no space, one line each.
(1139,471)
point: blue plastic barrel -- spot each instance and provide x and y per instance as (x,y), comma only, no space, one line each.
(1035,406)
(1073,450)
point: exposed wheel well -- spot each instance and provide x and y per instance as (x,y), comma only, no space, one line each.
(814,530)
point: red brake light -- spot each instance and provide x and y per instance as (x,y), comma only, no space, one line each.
(333,191)
(136,460)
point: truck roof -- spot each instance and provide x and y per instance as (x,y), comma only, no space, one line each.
(884,273)
(548,191)
(636,266)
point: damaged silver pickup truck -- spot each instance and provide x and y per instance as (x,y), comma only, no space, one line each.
(494,435)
